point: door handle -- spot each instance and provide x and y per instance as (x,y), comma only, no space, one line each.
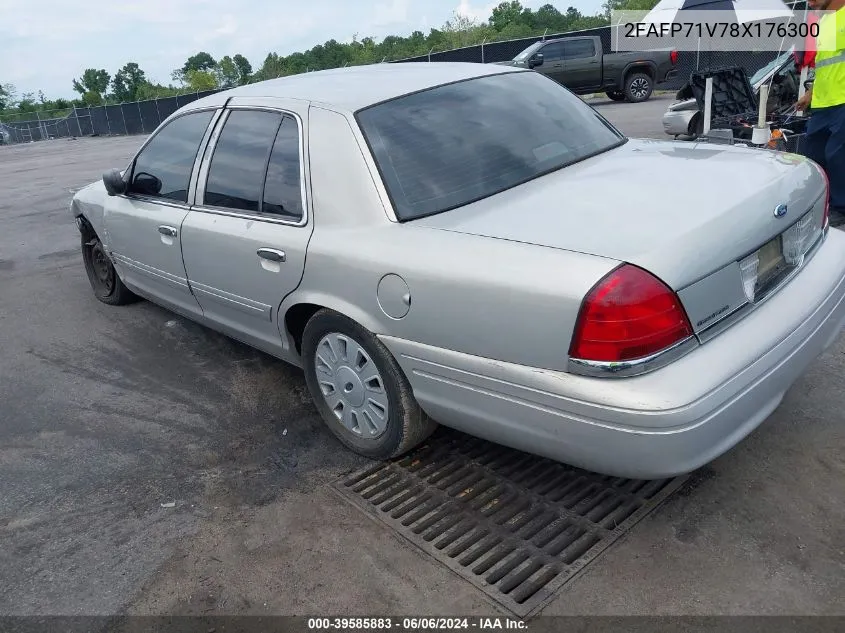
(271,254)
(167,230)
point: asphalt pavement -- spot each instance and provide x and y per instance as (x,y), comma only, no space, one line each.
(149,465)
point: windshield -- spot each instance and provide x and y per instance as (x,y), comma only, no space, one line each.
(765,70)
(448,146)
(528,52)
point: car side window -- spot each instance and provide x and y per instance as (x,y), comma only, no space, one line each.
(552,52)
(580,49)
(236,172)
(283,187)
(163,168)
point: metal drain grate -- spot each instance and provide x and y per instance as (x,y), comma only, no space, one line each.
(515,525)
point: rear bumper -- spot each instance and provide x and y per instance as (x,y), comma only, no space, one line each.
(669,422)
(670,74)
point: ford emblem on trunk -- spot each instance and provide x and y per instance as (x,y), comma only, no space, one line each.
(780,210)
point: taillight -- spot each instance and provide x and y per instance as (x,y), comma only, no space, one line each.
(674,57)
(630,314)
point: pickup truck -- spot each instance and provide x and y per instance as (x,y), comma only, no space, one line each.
(580,64)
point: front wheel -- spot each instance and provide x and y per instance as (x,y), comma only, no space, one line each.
(638,87)
(697,125)
(104,279)
(359,389)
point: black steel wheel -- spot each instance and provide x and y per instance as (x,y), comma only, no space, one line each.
(105,282)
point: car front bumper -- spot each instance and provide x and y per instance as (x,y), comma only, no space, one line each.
(677,122)
(669,422)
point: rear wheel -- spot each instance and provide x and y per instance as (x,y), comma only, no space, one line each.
(359,389)
(615,95)
(638,87)
(104,279)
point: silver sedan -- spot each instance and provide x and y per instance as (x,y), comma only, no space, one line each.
(472,245)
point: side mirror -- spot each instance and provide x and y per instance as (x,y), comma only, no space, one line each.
(114,182)
(535,60)
(146,184)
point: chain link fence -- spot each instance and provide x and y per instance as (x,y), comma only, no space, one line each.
(143,117)
(137,117)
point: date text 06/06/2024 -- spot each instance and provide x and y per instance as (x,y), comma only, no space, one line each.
(414,624)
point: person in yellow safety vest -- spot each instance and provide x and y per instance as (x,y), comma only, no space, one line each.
(825,139)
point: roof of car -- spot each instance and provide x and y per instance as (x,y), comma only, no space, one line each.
(356,87)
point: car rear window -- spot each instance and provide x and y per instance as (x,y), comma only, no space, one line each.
(452,145)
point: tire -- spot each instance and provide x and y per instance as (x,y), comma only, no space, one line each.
(694,130)
(615,95)
(105,282)
(389,428)
(638,87)
(697,126)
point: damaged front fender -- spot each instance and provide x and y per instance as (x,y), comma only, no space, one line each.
(87,208)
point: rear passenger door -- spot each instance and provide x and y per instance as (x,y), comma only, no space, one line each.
(244,242)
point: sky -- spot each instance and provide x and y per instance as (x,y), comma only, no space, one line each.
(44,49)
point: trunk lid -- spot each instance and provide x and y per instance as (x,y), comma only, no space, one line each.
(680,210)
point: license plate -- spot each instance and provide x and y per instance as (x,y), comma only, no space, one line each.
(770,265)
(766,267)
(770,258)
(762,268)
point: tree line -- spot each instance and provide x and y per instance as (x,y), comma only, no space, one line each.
(200,72)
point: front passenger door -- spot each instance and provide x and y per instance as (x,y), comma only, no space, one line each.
(553,61)
(582,64)
(143,225)
(244,243)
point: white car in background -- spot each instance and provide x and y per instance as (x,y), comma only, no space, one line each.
(684,120)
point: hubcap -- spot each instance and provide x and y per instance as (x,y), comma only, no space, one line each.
(639,87)
(351,385)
